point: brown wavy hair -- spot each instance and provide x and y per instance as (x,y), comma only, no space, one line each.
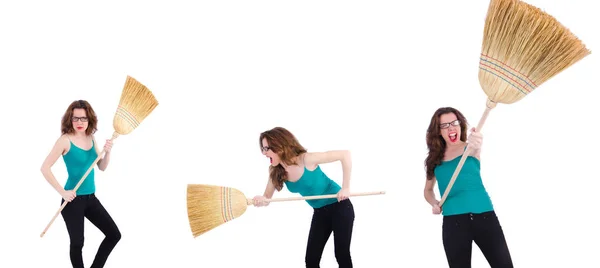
(66,125)
(282,142)
(436,143)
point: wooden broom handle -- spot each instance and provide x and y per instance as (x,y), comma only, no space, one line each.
(320,196)
(64,204)
(489,106)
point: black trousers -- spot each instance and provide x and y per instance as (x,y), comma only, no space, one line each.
(459,232)
(339,219)
(74,213)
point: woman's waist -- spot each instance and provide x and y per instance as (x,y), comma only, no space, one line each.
(75,178)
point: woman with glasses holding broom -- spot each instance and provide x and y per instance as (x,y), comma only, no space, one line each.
(299,171)
(78,148)
(468,212)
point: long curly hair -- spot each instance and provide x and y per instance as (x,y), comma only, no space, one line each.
(66,125)
(282,142)
(436,143)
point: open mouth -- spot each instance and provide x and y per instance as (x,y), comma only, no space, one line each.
(453,137)
(270,160)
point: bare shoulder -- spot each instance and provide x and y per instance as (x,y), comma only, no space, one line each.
(95,144)
(313,159)
(307,159)
(64,139)
(63,143)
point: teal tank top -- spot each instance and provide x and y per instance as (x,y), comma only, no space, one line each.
(78,161)
(315,182)
(468,195)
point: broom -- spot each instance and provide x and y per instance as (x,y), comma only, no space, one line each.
(523,47)
(136,103)
(209,206)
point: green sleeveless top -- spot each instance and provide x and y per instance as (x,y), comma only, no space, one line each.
(78,161)
(468,195)
(314,182)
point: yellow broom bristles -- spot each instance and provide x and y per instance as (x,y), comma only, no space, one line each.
(136,103)
(209,206)
(523,47)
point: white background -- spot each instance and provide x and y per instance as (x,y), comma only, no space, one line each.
(364,76)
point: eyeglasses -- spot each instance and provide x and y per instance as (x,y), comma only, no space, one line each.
(264,149)
(447,125)
(82,119)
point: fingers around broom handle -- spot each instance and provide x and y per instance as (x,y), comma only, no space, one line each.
(115,135)
(322,196)
(489,106)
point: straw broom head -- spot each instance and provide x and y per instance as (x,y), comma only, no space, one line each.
(136,103)
(209,206)
(522,48)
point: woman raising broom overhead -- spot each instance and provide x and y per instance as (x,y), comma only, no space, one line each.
(468,211)
(299,171)
(79,150)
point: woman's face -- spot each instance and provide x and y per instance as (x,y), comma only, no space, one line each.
(450,128)
(79,120)
(266,151)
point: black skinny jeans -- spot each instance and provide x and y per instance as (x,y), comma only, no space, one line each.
(339,219)
(459,232)
(74,214)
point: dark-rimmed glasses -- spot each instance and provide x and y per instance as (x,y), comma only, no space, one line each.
(82,119)
(447,125)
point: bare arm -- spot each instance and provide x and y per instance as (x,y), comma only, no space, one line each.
(103,162)
(429,193)
(270,190)
(314,159)
(259,200)
(59,148)
(477,154)
(475,141)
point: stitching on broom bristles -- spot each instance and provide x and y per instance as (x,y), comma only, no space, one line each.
(506,65)
(498,74)
(231,216)
(504,80)
(226,204)
(490,69)
(127,116)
